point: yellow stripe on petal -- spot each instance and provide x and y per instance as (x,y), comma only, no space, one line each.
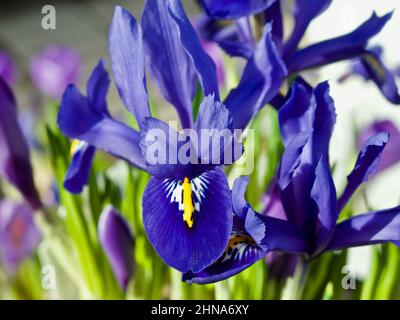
(74,147)
(188,207)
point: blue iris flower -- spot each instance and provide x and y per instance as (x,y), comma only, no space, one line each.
(237,39)
(187,209)
(307,193)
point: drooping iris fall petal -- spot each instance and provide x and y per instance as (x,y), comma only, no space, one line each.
(188,222)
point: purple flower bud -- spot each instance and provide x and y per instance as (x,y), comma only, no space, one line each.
(8,69)
(18,233)
(118,243)
(54,68)
(15,165)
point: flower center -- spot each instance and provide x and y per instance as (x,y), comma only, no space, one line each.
(188,207)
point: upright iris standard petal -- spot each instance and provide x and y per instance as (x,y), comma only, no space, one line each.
(204,65)
(78,171)
(369,228)
(160,145)
(78,119)
(127,59)
(118,244)
(18,233)
(304,12)
(188,221)
(252,237)
(323,193)
(336,49)
(169,63)
(260,82)
(54,68)
(391,156)
(15,165)
(232,9)
(218,144)
(97,87)
(366,165)
(8,69)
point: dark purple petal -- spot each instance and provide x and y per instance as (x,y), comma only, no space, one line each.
(391,155)
(366,229)
(79,120)
(304,12)
(234,38)
(337,49)
(214,120)
(272,203)
(19,235)
(239,202)
(204,65)
(228,9)
(97,88)
(274,14)
(15,165)
(297,113)
(180,246)
(169,63)
(54,68)
(159,146)
(300,121)
(366,165)
(8,69)
(118,244)
(127,61)
(273,234)
(78,171)
(260,82)
(371,67)
(323,193)
(241,253)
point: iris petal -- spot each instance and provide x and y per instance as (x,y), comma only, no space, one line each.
(79,120)
(78,171)
(127,61)
(260,82)
(182,247)
(304,12)
(323,193)
(366,165)
(168,61)
(340,48)
(227,9)
(369,228)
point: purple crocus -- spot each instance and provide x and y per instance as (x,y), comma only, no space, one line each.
(233,38)
(391,156)
(307,193)
(8,69)
(54,68)
(117,241)
(19,235)
(187,210)
(15,165)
